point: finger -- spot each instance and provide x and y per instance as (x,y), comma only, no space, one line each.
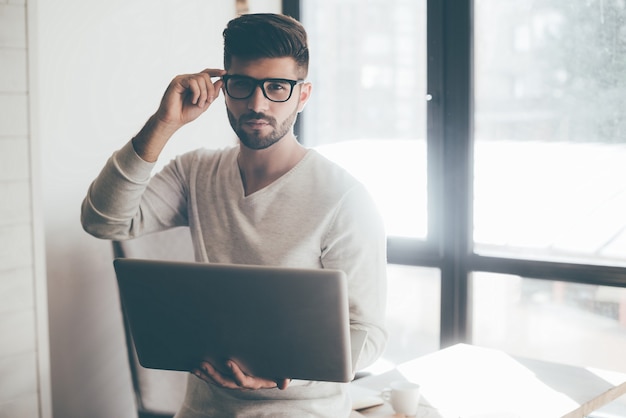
(194,89)
(203,97)
(218,378)
(214,72)
(207,90)
(249,382)
(216,85)
(238,375)
(283,383)
(200,374)
(212,89)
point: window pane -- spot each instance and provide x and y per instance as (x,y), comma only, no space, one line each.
(368,108)
(583,325)
(550,130)
(412,313)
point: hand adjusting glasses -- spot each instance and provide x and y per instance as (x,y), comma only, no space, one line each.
(274,89)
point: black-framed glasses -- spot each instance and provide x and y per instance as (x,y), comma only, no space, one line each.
(275,89)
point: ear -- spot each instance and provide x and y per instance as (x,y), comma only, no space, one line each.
(305,94)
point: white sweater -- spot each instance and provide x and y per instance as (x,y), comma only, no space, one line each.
(314,216)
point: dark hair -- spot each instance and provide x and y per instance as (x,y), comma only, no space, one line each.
(266,35)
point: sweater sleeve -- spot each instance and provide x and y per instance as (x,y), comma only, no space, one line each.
(356,244)
(124,201)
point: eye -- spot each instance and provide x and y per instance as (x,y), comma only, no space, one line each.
(277,86)
(240,83)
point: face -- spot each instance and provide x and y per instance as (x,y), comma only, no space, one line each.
(258,122)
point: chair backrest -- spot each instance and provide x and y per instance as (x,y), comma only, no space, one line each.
(158,393)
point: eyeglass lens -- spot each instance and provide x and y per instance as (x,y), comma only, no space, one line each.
(243,87)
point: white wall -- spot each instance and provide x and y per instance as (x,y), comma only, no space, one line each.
(103,67)
(24,357)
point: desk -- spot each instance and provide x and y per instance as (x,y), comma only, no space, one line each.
(465,380)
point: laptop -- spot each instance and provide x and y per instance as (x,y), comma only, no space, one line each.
(274,322)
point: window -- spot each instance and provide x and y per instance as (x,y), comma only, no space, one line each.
(561,322)
(550,137)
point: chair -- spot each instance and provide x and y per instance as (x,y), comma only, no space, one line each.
(158,393)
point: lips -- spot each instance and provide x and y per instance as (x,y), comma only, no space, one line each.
(255,122)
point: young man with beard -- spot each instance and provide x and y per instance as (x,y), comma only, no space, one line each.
(266,201)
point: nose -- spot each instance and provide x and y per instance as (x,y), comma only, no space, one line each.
(257,102)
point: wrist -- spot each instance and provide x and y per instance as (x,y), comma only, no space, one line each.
(151,140)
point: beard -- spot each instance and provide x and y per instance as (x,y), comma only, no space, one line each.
(256,140)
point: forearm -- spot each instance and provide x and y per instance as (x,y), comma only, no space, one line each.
(111,208)
(151,140)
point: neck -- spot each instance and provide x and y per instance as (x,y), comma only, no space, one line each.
(260,168)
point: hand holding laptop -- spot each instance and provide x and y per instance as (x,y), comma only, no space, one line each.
(236,379)
(180,319)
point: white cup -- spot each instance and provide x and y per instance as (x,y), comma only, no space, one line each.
(403,396)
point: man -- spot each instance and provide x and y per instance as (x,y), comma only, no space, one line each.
(267,201)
